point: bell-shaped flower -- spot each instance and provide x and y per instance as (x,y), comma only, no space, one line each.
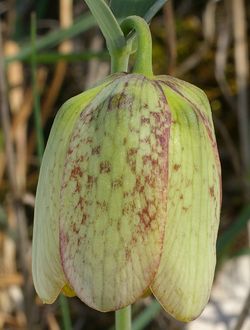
(128,197)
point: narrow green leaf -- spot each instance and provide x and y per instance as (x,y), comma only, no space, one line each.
(144,8)
(53,57)
(149,313)
(108,24)
(37,108)
(52,39)
(116,43)
(233,231)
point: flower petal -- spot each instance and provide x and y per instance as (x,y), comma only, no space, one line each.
(184,278)
(115,181)
(47,271)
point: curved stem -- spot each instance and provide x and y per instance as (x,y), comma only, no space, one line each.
(143,62)
(123,318)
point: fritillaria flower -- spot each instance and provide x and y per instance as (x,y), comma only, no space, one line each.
(128,198)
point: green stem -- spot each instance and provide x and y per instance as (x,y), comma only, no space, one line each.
(37,108)
(119,59)
(67,324)
(143,62)
(123,318)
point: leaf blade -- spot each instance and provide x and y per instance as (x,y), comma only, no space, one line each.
(108,24)
(144,8)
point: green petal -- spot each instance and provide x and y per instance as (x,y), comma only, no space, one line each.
(47,271)
(112,199)
(184,279)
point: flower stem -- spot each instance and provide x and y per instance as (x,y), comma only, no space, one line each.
(143,62)
(123,318)
(67,324)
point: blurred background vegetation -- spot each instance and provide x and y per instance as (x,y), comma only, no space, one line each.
(53,50)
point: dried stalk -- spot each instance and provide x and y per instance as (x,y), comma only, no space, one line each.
(15,194)
(66,19)
(169,21)
(242,75)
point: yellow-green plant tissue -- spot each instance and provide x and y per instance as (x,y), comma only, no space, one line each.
(129,196)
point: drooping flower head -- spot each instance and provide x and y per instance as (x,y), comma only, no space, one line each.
(128,197)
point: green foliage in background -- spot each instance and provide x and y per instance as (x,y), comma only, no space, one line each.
(146,9)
